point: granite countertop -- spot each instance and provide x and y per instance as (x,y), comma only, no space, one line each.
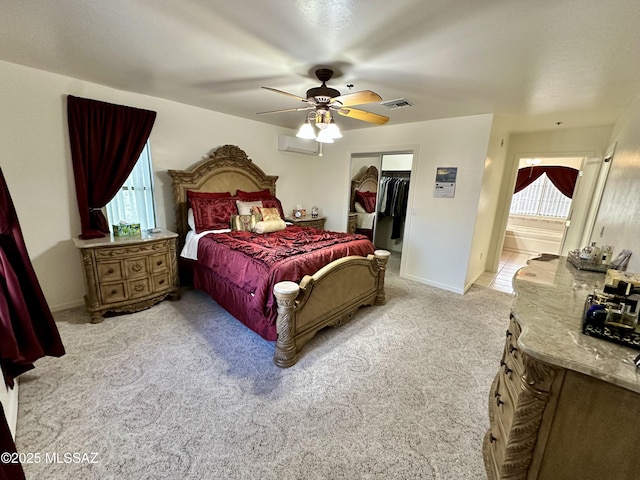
(112,241)
(549,303)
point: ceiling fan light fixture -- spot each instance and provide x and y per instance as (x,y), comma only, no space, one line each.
(324,137)
(332,130)
(306,131)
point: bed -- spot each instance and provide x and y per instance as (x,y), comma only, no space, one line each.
(363,201)
(279,284)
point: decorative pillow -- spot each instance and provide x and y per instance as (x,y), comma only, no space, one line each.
(273,202)
(190,220)
(367,200)
(268,226)
(248,208)
(244,223)
(213,213)
(250,196)
(359,208)
(207,195)
(270,214)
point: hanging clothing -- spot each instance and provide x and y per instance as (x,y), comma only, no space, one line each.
(394,195)
(27,328)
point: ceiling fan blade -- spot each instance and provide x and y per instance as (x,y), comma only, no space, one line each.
(285,93)
(362,115)
(288,110)
(358,98)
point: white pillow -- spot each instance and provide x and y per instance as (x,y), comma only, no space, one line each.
(244,208)
(191,221)
(359,208)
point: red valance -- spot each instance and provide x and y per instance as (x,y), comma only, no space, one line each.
(564,178)
(106,141)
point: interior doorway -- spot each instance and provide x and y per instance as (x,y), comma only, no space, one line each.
(383,218)
(549,214)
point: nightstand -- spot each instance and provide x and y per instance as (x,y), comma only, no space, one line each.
(308,221)
(351,225)
(128,274)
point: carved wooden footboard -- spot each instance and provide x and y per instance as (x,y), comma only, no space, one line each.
(331,296)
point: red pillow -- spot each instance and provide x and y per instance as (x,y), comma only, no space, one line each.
(213,213)
(252,196)
(367,200)
(210,195)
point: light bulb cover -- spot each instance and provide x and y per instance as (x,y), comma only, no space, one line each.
(306,131)
(324,137)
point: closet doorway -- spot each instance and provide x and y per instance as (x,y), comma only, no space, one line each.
(383,220)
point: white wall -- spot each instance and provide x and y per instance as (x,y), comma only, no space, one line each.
(619,212)
(485,222)
(35,159)
(9,400)
(439,231)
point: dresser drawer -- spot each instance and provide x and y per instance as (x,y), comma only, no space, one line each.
(110,271)
(159,262)
(113,292)
(136,267)
(139,287)
(161,282)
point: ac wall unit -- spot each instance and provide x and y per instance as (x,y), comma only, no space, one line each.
(287,143)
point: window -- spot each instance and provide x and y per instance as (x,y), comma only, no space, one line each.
(134,202)
(542,199)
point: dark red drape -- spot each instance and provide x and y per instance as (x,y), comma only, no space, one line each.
(564,178)
(9,470)
(106,141)
(27,328)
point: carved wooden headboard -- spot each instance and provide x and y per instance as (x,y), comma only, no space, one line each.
(367,183)
(223,169)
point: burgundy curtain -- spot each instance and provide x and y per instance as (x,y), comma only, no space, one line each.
(564,178)
(27,328)
(106,141)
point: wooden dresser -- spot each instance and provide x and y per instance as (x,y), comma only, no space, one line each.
(128,274)
(563,405)
(308,221)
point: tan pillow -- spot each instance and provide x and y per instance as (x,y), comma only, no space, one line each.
(268,226)
(248,208)
(244,222)
(269,214)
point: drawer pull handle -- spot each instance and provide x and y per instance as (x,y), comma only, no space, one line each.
(110,270)
(496,394)
(512,348)
(161,282)
(499,402)
(509,333)
(113,292)
(492,438)
(507,370)
(159,262)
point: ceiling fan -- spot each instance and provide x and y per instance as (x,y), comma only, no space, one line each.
(324,100)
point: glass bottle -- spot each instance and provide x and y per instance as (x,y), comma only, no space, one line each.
(596,253)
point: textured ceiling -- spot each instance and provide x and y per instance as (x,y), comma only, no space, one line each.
(537,62)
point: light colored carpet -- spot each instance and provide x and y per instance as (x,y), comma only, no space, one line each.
(184,391)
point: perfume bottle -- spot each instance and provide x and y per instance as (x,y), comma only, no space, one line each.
(314,212)
(606,255)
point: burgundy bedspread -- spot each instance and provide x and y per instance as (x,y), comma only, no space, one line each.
(254,263)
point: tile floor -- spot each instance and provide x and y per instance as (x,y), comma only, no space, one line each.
(510,262)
